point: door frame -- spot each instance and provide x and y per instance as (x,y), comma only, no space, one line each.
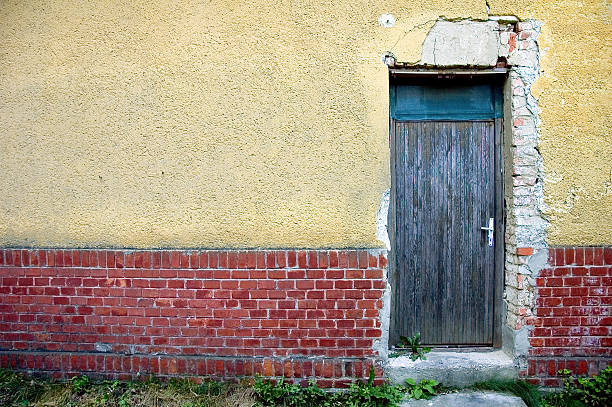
(418,76)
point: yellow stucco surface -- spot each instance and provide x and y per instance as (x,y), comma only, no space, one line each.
(260,123)
(575,97)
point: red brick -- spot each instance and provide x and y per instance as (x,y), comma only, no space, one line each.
(283,257)
(213,260)
(579,291)
(569,301)
(372,261)
(166,259)
(562,271)
(352,259)
(570,256)
(302,259)
(363,260)
(579,256)
(607,255)
(119,259)
(524,251)
(184,260)
(373,274)
(598,256)
(323,261)
(547,272)
(334,274)
(588,256)
(59,259)
(42,258)
(554,282)
(560,256)
(232,259)
(343,259)
(382,260)
(260,260)
(333,259)
(554,301)
(296,274)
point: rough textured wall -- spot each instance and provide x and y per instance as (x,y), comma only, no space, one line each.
(228,124)
(575,133)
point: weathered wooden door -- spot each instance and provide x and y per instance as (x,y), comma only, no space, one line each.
(446,144)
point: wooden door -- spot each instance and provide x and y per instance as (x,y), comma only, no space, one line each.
(446,186)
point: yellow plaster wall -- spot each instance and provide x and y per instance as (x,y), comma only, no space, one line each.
(576,100)
(260,123)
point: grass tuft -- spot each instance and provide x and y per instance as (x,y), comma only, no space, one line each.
(17,390)
(528,392)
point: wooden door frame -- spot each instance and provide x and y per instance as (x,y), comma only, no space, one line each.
(416,76)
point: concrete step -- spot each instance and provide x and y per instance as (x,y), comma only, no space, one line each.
(451,368)
(468,399)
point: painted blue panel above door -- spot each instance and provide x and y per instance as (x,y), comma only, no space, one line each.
(444,102)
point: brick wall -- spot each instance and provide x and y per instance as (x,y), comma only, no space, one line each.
(228,314)
(219,313)
(573,318)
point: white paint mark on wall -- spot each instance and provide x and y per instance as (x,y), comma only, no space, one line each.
(386,20)
(103,347)
(388,58)
(382,232)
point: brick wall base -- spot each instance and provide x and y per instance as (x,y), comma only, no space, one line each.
(231,314)
(327,372)
(226,314)
(573,315)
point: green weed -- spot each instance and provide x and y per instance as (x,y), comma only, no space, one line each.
(593,391)
(359,394)
(425,389)
(412,346)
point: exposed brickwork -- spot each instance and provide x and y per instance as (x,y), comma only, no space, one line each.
(573,314)
(525,226)
(313,313)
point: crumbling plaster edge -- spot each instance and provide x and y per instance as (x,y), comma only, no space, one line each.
(381,345)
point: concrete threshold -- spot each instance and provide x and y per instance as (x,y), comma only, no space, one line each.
(468,399)
(453,368)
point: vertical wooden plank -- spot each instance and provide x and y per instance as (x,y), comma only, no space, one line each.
(412,158)
(452,171)
(392,227)
(500,228)
(419,228)
(405,287)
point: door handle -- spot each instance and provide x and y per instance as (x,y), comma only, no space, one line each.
(490,230)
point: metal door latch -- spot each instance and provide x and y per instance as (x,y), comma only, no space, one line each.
(490,229)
